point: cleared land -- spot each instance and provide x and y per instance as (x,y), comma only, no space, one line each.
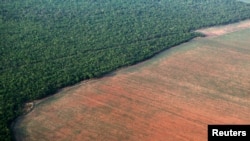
(51,44)
(221,30)
(173,97)
(247,1)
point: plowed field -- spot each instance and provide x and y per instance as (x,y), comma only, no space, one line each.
(172,97)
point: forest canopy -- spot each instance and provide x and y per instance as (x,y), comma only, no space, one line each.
(49,44)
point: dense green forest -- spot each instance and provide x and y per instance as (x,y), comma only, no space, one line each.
(49,44)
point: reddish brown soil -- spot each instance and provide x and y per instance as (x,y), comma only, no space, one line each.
(172,97)
(221,30)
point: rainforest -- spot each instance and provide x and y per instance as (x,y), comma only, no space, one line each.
(46,45)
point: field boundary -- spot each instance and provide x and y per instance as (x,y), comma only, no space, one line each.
(216,31)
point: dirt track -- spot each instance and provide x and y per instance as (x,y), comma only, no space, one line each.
(173,97)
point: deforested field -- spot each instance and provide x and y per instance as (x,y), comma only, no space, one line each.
(247,1)
(46,45)
(173,97)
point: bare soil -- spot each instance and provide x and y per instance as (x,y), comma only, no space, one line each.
(173,97)
(221,30)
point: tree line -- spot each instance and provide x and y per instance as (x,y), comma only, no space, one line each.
(47,45)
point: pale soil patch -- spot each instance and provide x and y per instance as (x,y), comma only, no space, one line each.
(28,107)
(247,1)
(221,30)
(173,97)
